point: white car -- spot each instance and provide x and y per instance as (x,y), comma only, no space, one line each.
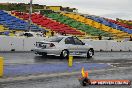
(64,46)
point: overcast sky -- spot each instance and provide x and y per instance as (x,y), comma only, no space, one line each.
(105,8)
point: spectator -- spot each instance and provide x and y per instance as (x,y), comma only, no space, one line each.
(64,33)
(130,38)
(58,33)
(52,33)
(100,37)
(110,38)
(43,33)
(14,32)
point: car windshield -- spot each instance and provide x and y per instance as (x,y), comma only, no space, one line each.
(55,39)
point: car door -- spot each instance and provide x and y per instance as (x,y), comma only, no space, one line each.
(70,44)
(81,47)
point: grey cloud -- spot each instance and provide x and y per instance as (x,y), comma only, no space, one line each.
(126,16)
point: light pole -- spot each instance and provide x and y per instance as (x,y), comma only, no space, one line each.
(30,14)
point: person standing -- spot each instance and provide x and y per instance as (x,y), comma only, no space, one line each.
(100,37)
(130,38)
(52,33)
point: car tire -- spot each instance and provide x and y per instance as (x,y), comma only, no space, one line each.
(90,53)
(44,54)
(64,54)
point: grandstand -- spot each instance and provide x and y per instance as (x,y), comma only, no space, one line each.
(57,19)
(13,23)
(48,23)
(101,24)
(119,23)
(126,22)
(78,25)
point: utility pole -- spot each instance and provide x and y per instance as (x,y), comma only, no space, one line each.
(30,14)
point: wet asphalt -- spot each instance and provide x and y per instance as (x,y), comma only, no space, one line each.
(121,68)
(99,57)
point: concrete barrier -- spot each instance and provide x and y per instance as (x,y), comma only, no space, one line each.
(97,44)
(27,44)
(1,66)
(114,46)
(18,43)
(109,45)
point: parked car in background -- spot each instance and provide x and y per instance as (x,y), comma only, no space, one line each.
(63,46)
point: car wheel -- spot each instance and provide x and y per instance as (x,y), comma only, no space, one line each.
(90,53)
(64,54)
(44,54)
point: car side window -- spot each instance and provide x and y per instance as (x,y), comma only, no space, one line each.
(77,41)
(69,40)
